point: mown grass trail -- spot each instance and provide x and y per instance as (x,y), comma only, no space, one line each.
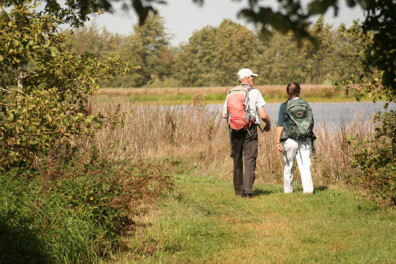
(203,222)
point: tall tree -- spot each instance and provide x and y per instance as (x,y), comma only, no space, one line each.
(237,47)
(193,65)
(84,39)
(345,59)
(281,60)
(109,43)
(213,55)
(145,48)
(320,59)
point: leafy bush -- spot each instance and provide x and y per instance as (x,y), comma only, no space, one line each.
(376,160)
(44,90)
(78,216)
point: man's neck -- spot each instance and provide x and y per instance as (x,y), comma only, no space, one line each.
(245,84)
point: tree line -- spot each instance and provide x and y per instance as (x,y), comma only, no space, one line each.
(213,55)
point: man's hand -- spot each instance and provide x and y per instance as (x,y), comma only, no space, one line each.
(224,113)
(265,118)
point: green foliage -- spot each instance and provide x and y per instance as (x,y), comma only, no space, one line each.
(193,61)
(146,47)
(214,55)
(380,55)
(380,22)
(44,89)
(79,215)
(220,51)
(290,15)
(375,158)
(369,80)
(281,59)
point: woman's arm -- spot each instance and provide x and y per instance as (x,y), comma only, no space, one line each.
(279,130)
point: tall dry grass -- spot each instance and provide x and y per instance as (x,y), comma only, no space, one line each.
(198,138)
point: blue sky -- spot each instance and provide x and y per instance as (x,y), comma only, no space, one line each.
(183,17)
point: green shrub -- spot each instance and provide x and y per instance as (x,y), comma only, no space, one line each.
(44,90)
(76,216)
(375,158)
(19,243)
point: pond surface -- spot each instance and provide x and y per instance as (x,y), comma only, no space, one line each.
(330,114)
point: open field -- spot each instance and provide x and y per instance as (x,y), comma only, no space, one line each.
(271,93)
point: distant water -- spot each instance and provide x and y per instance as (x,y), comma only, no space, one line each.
(329,113)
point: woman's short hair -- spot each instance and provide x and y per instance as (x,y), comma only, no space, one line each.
(293,89)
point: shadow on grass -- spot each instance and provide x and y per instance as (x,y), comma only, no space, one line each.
(298,189)
(321,189)
(259,192)
(20,245)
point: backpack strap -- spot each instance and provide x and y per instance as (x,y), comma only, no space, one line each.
(313,138)
(261,129)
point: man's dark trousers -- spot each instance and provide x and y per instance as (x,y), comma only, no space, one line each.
(244,146)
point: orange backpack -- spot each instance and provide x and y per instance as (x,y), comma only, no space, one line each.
(238,115)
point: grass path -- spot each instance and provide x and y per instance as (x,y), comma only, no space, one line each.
(203,222)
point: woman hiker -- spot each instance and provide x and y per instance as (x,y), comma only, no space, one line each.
(293,138)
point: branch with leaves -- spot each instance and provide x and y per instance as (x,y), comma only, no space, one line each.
(51,107)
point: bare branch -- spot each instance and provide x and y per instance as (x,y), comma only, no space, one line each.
(4,89)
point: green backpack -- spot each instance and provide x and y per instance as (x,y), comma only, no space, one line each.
(300,121)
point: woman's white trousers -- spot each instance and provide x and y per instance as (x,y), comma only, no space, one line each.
(300,149)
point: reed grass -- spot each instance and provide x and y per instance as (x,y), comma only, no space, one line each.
(197,139)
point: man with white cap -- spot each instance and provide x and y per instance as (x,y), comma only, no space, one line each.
(244,142)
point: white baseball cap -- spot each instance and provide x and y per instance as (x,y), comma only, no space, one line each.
(245,72)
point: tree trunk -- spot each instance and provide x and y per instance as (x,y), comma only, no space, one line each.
(20,76)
